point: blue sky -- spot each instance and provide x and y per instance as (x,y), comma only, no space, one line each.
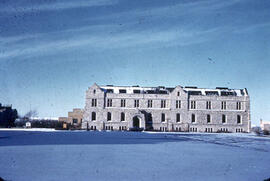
(51,51)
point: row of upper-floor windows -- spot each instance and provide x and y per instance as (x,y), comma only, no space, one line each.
(223,105)
(178,104)
(163,117)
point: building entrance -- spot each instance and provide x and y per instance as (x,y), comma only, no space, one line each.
(136,122)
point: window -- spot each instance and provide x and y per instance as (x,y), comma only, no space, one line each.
(238,105)
(109,116)
(193,105)
(123,103)
(223,105)
(238,119)
(122,116)
(149,103)
(163,104)
(178,104)
(208,118)
(178,93)
(109,102)
(177,117)
(210,93)
(94,91)
(122,91)
(196,93)
(227,93)
(136,91)
(109,91)
(93,116)
(75,121)
(223,118)
(193,119)
(193,129)
(94,102)
(162,117)
(208,104)
(136,103)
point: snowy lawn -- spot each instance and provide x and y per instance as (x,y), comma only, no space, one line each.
(82,155)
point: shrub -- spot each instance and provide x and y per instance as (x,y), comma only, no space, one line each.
(266,132)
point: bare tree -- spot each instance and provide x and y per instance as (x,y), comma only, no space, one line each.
(30,114)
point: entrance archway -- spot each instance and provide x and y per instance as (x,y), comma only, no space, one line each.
(136,122)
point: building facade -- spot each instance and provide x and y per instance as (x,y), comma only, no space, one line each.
(265,125)
(74,117)
(166,109)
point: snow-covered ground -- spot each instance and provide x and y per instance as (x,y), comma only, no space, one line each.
(82,155)
(27,129)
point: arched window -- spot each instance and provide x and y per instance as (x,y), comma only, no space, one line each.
(93,116)
(109,116)
(122,116)
(162,117)
(223,118)
(193,118)
(177,117)
(238,119)
(208,118)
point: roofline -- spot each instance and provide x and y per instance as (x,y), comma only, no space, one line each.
(186,87)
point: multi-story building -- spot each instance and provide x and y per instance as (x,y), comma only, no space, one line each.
(166,109)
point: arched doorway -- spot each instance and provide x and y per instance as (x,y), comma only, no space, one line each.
(136,122)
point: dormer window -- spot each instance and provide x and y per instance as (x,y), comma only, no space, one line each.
(121,91)
(136,91)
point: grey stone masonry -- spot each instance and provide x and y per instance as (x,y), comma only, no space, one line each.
(188,109)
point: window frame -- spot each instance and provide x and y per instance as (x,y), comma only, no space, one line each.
(109,116)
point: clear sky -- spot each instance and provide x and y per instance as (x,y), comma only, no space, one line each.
(51,51)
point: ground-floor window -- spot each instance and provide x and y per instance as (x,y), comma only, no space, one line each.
(239,130)
(178,129)
(224,130)
(108,128)
(93,128)
(122,128)
(209,130)
(163,129)
(193,129)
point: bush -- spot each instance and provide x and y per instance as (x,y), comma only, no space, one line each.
(257,132)
(266,132)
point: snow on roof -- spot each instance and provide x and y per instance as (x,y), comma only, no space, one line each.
(166,90)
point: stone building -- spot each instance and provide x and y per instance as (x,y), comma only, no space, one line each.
(74,117)
(166,109)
